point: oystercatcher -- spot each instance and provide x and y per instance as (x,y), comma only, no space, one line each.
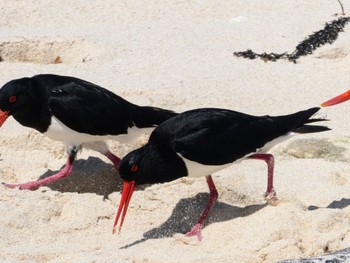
(76,112)
(338,99)
(203,141)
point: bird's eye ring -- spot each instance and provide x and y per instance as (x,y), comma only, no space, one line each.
(12,99)
(134,168)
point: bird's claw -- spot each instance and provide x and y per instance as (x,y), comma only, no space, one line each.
(195,231)
(270,194)
(271,197)
(27,186)
(12,186)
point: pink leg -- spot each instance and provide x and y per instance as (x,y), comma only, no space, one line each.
(35,185)
(66,171)
(115,159)
(213,196)
(269,159)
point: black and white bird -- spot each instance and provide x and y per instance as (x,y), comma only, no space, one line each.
(203,141)
(76,112)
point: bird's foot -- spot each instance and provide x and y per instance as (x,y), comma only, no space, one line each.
(271,197)
(195,231)
(27,186)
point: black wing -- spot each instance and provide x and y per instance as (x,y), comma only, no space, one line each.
(216,137)
(88,108)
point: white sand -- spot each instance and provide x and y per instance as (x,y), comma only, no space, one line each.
(178,55)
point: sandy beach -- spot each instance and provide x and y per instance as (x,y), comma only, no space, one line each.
(178,55)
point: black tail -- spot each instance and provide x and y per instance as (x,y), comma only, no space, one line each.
(311,129)
(151,116)
(297,122)
(305,116)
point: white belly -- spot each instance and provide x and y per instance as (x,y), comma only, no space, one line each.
(274,142)
(60,132)
(195,169)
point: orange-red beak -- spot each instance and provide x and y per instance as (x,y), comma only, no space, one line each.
(3,116)
(128,189)
(338,99)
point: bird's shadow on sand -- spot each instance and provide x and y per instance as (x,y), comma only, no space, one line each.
(187,212)
(88,176)
(337,204)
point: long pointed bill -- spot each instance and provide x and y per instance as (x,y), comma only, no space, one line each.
(128,189)
(338,99)
(3,116)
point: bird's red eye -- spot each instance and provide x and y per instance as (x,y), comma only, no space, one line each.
(134,168)
(12,99)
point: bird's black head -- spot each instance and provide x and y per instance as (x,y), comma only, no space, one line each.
(14,96)
(135,166)
(152,163)
(23,99)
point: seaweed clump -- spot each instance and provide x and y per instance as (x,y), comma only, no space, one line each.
(326,35)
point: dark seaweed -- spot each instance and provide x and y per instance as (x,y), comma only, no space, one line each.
(327,35)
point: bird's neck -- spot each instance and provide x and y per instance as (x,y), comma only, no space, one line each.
(36,116)
(165,165)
